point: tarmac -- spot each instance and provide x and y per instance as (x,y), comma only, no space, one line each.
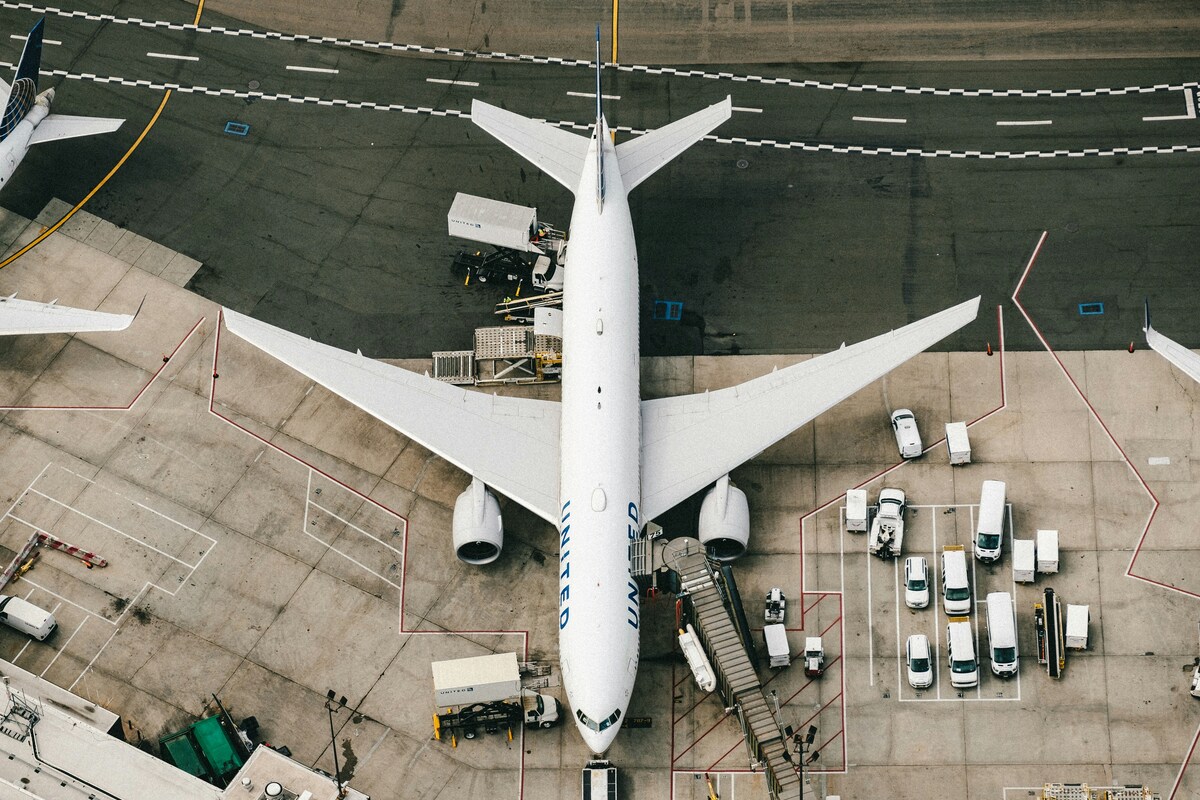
(270,544)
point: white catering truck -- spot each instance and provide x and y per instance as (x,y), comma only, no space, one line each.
(486,692)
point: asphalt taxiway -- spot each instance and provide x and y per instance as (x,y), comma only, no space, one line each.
(328,216)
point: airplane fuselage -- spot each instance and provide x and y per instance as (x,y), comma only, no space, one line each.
(600,481)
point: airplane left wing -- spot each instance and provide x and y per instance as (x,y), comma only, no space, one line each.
(25,316)
(509,443)
(689,442)
(56,127)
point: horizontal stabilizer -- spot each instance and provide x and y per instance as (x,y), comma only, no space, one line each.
(509,443)
(556,152)
(642,157)
(25,316)
(688,442)
(1171,350)
(56,127)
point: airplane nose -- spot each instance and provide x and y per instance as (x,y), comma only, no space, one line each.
(598,742)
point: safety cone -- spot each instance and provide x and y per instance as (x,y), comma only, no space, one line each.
(989,348)
(1131,347)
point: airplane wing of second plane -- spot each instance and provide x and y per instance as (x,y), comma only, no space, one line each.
(512,444)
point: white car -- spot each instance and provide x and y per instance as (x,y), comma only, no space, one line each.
(908,438)
(916,582)
(920,665)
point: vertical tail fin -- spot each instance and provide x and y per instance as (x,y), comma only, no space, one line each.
(24,88)
(31,56)
(599,131)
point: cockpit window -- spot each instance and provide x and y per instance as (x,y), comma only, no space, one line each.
(603,724)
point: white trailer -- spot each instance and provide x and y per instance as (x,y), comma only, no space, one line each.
(958,444)
(1024,560)
(856,510)
(1047,552)
(778,651)
(483,679)
(1077,627)
(481,219)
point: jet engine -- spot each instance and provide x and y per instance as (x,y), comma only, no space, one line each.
(478,528)
(725,521)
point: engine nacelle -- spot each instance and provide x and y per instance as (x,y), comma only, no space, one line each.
(725,521)
(478,528)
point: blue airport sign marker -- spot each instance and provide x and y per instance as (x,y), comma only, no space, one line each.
(670,310)
(237,128)
(1091,309)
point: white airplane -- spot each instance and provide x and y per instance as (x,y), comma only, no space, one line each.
(25,316)
(603,462)
(1171,350)
(27,119)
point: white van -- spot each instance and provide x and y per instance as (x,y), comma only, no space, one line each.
(956,592)
(964,670)
(989,526)
(26,617)
(1002,633)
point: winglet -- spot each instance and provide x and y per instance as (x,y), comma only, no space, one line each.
(1146,325)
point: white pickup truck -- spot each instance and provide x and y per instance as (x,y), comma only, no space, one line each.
(887,529)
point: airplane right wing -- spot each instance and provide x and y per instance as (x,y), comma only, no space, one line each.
(509,443)
(25,316)
(56,127)
(1171,350)
(689,442)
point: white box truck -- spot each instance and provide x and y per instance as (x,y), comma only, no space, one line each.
(1047,552)
(1024,560)
(856,510)
(487,691)
(1077,627)
(778,651)
(958,443)
(989,524)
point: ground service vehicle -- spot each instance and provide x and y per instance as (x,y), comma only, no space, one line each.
(856,510)
(960,649)
(887,529)
(956,592)
(485,693)
(1024,560)
(778,651)
(916,582)
(814,656)
(27,618)
(920,664)
(1002,633)
(989,525)
(1047,552)
(599,781)
(776,608)
(1077,627)
(908,438)
(958,443)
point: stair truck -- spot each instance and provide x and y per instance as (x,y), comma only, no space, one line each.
(485,693)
